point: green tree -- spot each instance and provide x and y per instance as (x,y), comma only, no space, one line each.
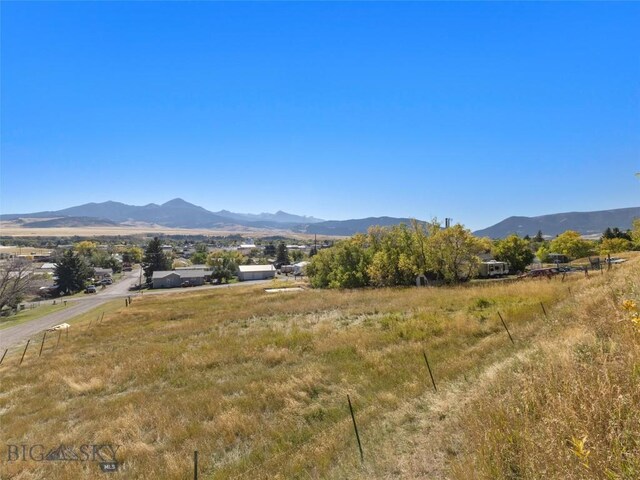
(198,258)
(635,232)
(200,255)
(453,253)
(99,258)
(282,255)
(296,256)
(615,232)
(270,250)
(102,259)
(154,259)
(615,245)
(571,244)
(342,266)
(132,255)
(421,233)
(538,238)
(543,253)
(394,258)
(515,251)
(86,248)
(224,265)
(72,272)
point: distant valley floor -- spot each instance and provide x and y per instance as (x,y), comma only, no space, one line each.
(8,229)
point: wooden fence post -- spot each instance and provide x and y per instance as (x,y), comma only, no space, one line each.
(195,465)
(505,327)
(355,427)
(429,367)
(25,351)
(42,344)
(543,310)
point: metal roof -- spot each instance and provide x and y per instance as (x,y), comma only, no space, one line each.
(256,268)
(192,273)
(163,273)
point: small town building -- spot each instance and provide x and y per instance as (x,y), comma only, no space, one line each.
(246,248)
(194,277)
(102,273)
(179,278)
(256,272)
(166,279)
(47,267)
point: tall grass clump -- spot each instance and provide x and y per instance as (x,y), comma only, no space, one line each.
(570,409)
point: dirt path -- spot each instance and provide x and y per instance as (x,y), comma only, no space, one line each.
(425,446)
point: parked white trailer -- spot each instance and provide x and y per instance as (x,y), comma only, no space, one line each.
(493,268)
(300,268)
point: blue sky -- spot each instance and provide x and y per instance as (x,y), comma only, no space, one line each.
(476,111)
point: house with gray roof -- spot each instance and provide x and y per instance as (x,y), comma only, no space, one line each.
(175,278)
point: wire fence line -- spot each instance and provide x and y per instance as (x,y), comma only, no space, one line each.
(338,430)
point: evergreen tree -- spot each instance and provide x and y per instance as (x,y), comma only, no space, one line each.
(72,272)
(154,259)
(538,238)
(282,256)
(269,250)
(224,265)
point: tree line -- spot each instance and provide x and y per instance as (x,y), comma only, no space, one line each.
(395,256)
(389,256)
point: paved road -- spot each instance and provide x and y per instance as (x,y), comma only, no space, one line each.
(79,305)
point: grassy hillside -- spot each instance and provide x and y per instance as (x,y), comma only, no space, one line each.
(258,382)
(570,408)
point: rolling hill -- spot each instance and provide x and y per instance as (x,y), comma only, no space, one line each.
(178,213)
(584,222)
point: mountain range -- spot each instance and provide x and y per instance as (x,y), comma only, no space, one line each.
(587,223)
(178,213)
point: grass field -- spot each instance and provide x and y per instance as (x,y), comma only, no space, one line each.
(9,229)
(258,382)
(30,314)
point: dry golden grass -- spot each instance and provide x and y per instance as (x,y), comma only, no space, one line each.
(257,382)
(570,409)
(10,229)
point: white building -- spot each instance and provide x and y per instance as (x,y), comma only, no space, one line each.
(256,272)
(246,248)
